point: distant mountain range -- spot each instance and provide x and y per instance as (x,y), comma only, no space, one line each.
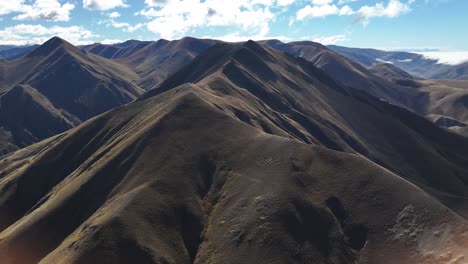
(457,72)
(123,71)
(245,154)
(413,63)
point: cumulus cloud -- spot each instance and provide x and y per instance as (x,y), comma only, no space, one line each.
(114,15)
(50,10)
(342,2)
(394,8)
(13,6)
(27,34)
(323,10)
(103,4)
(322,2)
(174,18)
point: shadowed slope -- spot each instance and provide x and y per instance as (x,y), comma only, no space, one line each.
(158,60)
(116,51)
(457,72)
(73,82)
(14,53)
(389,71)
(30,117)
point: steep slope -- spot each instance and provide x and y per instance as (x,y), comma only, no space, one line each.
(422,97)
(187,174)
(457,72)
(158,60)
(446,99)
(14,53)
(352,74)
(173,179)
(415,64)
(117,51)
(27,116)
(288,96)
(390,71)
(79,84)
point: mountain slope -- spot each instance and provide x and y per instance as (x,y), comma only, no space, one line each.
(79,84)
(446,106)
(302,102)
(389,71)
(116,51)
(457,72)
(28,117)
(156,61)
(415,64)
(173,179)
(13,53)
(211,167)
(421,97)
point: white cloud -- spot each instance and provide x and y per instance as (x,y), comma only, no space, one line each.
(322,11)
(394,8)
(322,2)
(323,8)
(114,15)
(447,57)
(111,41)
(13,6)
(27,34)
(126,27)
(103,4)
(50,10)
(329,40)
(175,18)
(342,2)
(134,28)
(285,2)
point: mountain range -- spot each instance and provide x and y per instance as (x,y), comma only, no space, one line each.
(214,152)
(64,86)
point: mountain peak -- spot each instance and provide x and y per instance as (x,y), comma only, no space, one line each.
(55,42)
(250,43)
(50,45)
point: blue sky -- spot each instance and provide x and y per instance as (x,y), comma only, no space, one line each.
(384,24)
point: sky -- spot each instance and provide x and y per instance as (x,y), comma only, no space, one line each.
(414,25)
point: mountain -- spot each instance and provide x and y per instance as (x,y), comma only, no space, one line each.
(156,61)
(457,72)
(116,51)
(15,52)
(245,155)
(352,74)
(432,99)
(446,104)
(153,61)
(65,84)
(413,63)
(390,71)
